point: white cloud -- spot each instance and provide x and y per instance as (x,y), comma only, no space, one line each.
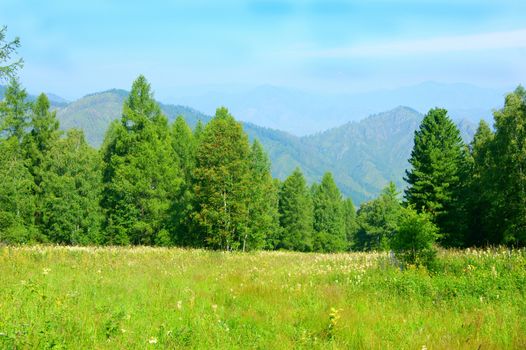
(485,41)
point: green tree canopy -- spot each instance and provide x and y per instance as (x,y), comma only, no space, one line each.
(36,145)
(329,224)
(14,111)
(184,145)
(481,194)
(8,66)
(295,210)
(221,183)
(349,218)
(437,162)
(263,205)
(141,172)
(71,189)
(378,221)
(17,200)
(510,163)
(415,238)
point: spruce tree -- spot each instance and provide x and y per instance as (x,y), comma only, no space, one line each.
(295,214)
(141,172)
(71,188)
(329,224)
(221,184)
(437,164)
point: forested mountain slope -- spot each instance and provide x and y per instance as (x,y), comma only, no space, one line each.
(363,156)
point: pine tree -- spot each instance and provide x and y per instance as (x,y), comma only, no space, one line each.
(378,221)
(263,208)
(510,163)
(141,172)
(295,210)
(71,188)
(221,183)
(437,164)
(329,224)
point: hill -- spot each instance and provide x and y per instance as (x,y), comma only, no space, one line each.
(363,156)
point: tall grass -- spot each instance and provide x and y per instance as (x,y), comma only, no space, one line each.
(127,298)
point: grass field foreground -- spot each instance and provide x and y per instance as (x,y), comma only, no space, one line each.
(127,298)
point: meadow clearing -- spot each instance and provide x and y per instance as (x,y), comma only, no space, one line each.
(140,298)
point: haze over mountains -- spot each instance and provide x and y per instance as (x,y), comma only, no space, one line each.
(303,113)
(363,155)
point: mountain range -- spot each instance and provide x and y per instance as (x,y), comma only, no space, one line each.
(362,155)
(305,112)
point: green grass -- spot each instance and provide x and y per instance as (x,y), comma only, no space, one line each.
(127,298)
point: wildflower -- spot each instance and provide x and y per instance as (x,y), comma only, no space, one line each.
(152,340)
(180,304)
(46,271)
(214,307)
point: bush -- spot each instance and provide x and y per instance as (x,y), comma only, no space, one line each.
(414,242)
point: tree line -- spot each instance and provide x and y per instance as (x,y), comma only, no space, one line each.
(155,183)
(160,183)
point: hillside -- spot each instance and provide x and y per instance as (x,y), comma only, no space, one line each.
(363,156)
(93,113)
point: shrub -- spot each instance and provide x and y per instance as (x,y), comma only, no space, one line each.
(414,242)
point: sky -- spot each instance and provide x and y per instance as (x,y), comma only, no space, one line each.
(72,48)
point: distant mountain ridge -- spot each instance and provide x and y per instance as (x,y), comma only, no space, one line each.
(303,113)
(362,155)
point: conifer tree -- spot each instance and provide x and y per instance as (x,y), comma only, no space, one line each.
(437,164)
(295,210)
(481,195)
(329,224)
(17,189)
(221,184)
(349,218)
(7,50)
(17,200)
(42,136)
(14,111)
(198,131)
(44,133)
(141,172)
(377,221)
(71,188)
(510,163)
(263,208)
(184,145)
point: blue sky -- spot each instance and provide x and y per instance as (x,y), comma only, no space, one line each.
(72,48)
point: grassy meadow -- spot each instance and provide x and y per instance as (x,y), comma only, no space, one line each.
(140,298)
